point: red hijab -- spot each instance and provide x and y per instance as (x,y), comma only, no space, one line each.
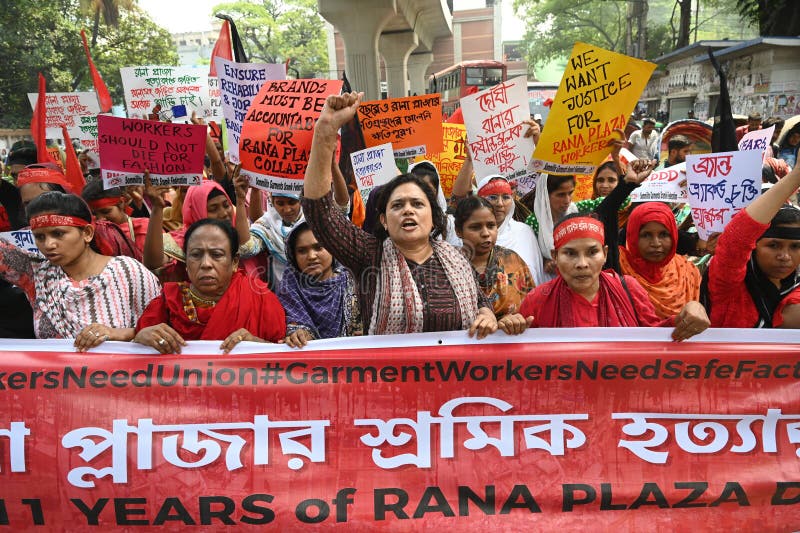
(644,214)
(195,206)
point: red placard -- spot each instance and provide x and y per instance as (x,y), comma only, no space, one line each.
(469,437)
(277,132)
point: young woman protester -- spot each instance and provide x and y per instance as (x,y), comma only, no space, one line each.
(110,204)
(77,290)
(164,253)
(583,295)
(408,281)
(552,202)
(753,279)
(269,230)
(317,293)
(649,256)
(218,302)
(503,276)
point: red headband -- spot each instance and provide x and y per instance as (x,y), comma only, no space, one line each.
(100,203)
(578,228)
(496,186)
(51,220)
(42,175)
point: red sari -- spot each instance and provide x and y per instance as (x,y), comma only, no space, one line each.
(555,305)
(247,303)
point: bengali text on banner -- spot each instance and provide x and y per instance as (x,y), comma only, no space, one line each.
(414,432)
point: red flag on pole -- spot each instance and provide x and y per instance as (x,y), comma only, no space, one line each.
(100,88)
(39,124)
(74,173)
(222,48)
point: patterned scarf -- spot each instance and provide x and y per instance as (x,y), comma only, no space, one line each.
(398,308)
(320,306)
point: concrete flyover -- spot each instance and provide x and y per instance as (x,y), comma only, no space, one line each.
(402,31)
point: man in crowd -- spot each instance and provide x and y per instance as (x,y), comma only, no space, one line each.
(753,124)
(679,147)
(644,142)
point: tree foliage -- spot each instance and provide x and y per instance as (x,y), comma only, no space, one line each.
(555,25)
(273,31)
(773,17)
(44,36)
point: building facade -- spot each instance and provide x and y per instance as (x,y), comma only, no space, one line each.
(763,76)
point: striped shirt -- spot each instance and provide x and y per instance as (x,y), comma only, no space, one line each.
(116,297)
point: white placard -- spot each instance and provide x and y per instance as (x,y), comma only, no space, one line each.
(493,118)
(169,86)
(22,239)
(719,186)
(78,112)
(757,140)
(665,185)
(239,83)
(373,167)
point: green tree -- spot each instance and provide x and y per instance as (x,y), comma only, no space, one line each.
(273,31)
(772,17)
(136,40)
(553,26)
(44,36)
(108,9)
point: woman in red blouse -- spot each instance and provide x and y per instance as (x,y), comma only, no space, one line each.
(753,280)
(583,295)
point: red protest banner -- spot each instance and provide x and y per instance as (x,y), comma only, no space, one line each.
(412,124)
(173,153)
(409,432)
(277,132)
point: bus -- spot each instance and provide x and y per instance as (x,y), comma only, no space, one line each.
(457,81)
(540,92)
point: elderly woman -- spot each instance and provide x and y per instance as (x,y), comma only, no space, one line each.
(76,289)
(408,280)
(503,276)
(164,253)
(649,256)
(752,279)
(217,303)
(583,295)
(318,293)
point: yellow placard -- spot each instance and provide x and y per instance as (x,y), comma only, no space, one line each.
(596,95)
(448,162)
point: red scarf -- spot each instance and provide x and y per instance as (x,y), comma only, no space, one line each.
(247,303)
(643,214)
(614,307)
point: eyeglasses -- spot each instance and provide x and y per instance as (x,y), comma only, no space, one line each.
(494,198)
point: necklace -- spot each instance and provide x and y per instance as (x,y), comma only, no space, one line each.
(200,299)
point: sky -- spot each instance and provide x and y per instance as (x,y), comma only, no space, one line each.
(195,15)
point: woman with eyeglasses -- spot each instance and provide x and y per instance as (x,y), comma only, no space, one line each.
(511,234)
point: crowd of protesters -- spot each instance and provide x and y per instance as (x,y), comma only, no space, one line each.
(221,261)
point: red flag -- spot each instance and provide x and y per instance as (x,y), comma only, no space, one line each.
(100,88)
(222,48)
(39,124)
(74,173)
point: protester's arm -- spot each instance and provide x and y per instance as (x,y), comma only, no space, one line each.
(256,208)
(242,223)
(340,194)
(338,110)
(767,205)
(16,267)
(462,186)
(218,171)
(153,254)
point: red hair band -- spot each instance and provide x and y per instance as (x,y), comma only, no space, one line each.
(51,220)
(496,186)
(578,228)
(100,203)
